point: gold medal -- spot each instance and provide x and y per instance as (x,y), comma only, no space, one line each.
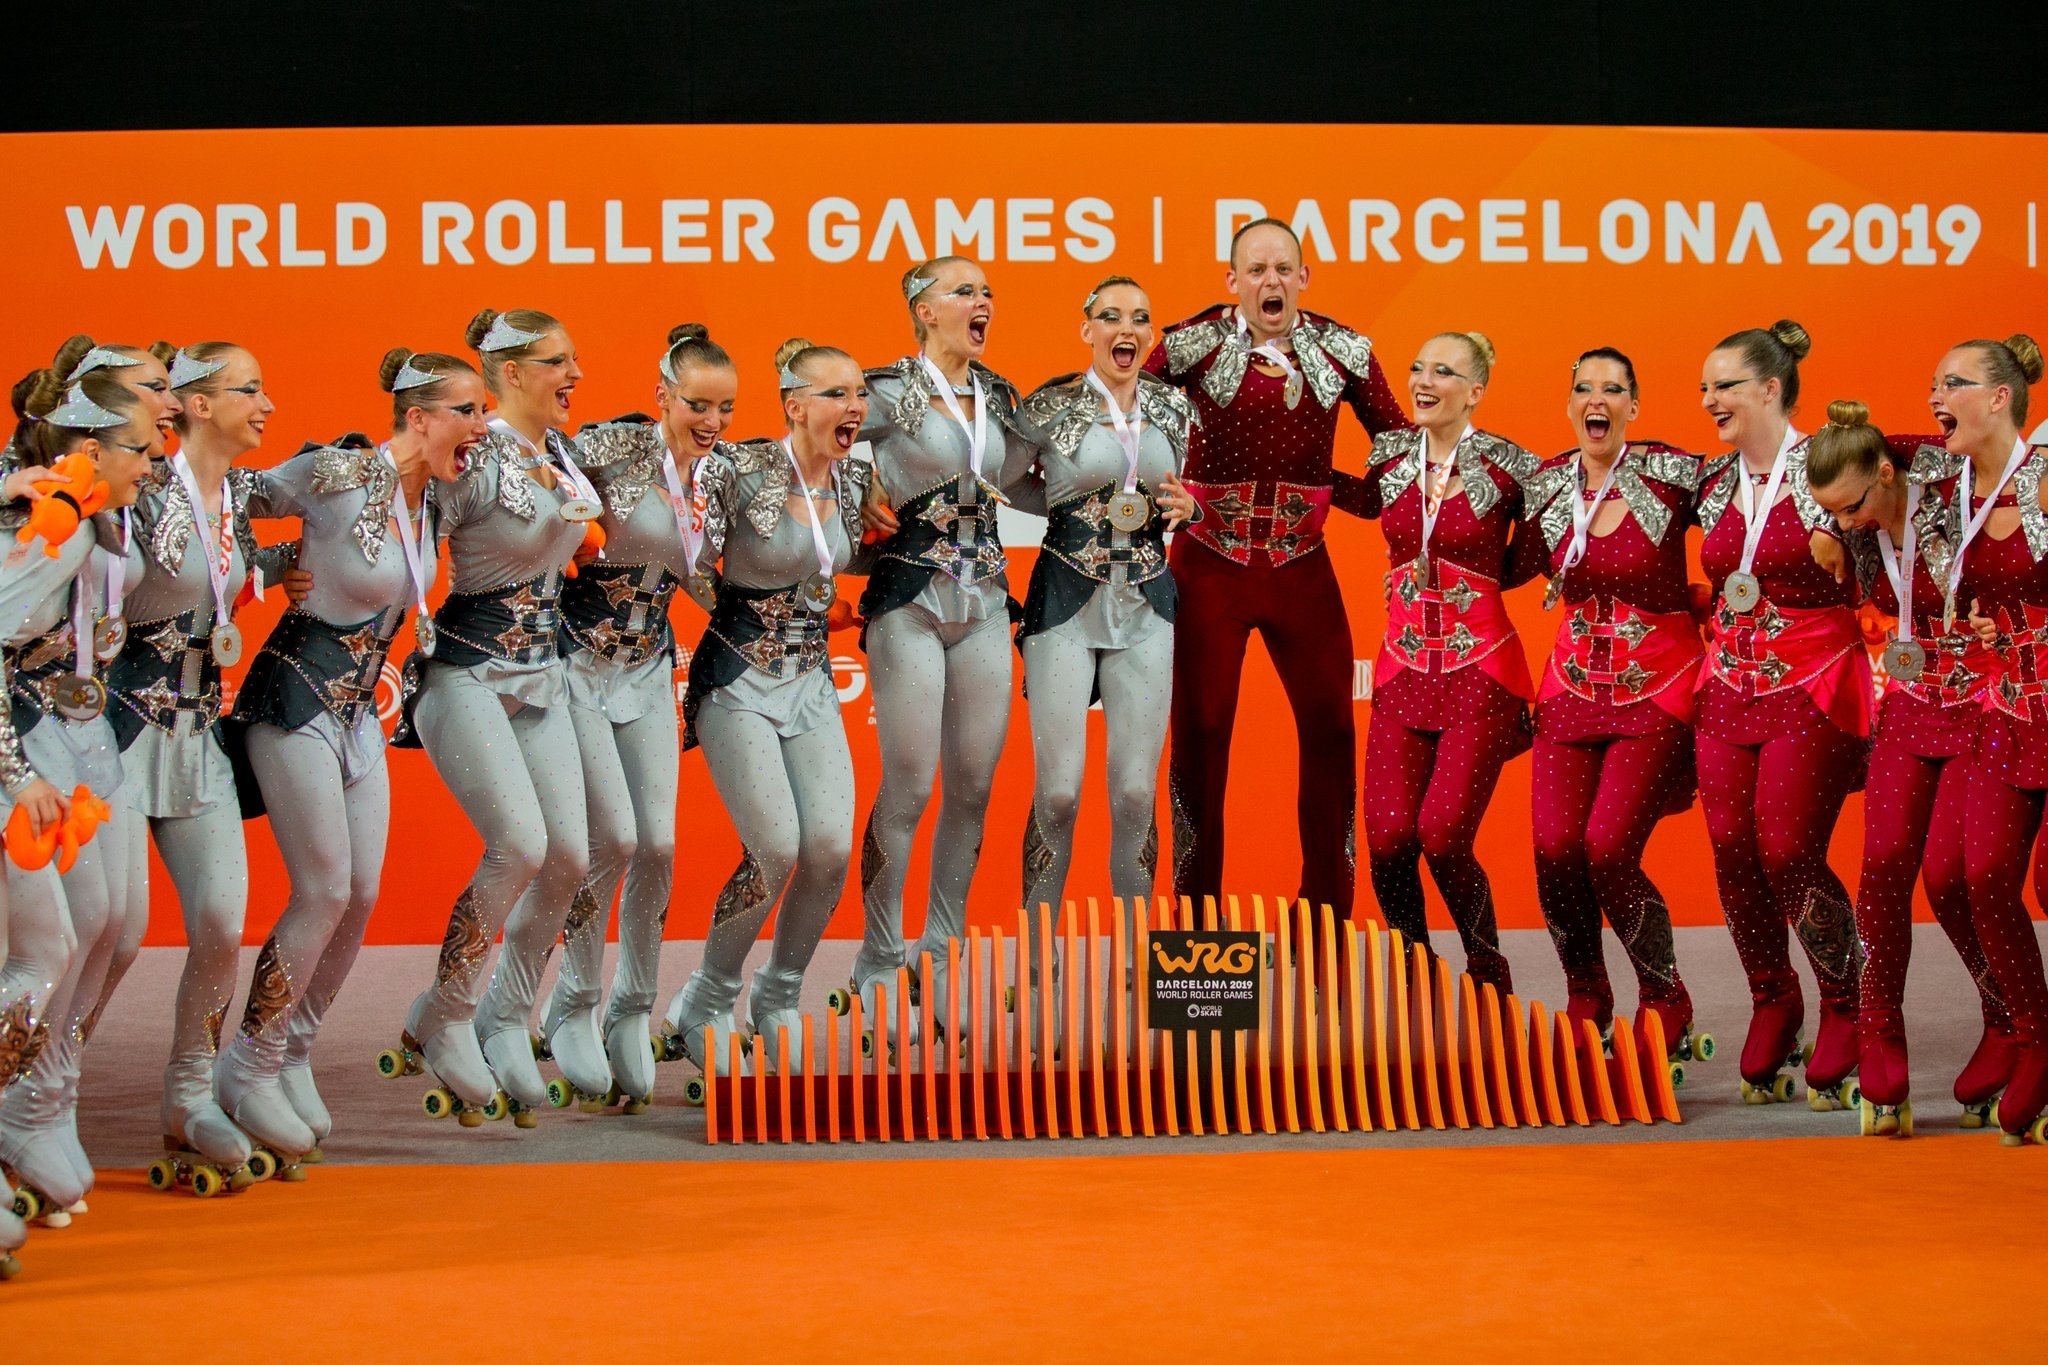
(1128,512)
(107,638)
(78,698)
(1553,594)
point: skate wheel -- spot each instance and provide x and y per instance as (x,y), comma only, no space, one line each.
(638,1106)
(1782,1089)
(590,1106)
(162,1174)
(1009,999)
(1819,1101)
(1703,1046)
(207,1182)
(1973,1116)
(867,1042)
(541,1052)
(1993,1115)
(838,1001)
(470,1118)
(240,1179)
(1866,1119)
(1906,1119)
(1677,1074)
(262,1165)
(391,1063)
(438,1103)
(1752,1095)
(2010,1140)
(292,1174)
(497,1106)
(312,1156)
(525,1118)
(9,1267)
(560,1093)
(693,1091)
(613,1094)
(2037,1131)
(26,1205)
(1852,1094)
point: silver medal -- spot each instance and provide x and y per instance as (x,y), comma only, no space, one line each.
(1742,591)
(1553,594)
(817,592)
(107,638)
(227,644)
(1905,660)
(423,630)
(1292,392)
(79,698)
(581,509)
(1128,512)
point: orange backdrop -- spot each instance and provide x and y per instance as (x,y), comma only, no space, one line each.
(319,249)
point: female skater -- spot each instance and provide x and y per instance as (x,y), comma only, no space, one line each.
(1937,675)
(1980,398)
(1613,751)
(947,452)
(306,725)
(1098,619)
(1451,689)
(488,700)
(54,739)
(781,520)
(622,697)
(1784,712)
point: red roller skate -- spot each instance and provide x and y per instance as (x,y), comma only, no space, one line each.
(1831,1066)
(2019,1109)
(1773,1044)
(1884,1109)
(1684,1045)
(1590,996)
(1990,1067)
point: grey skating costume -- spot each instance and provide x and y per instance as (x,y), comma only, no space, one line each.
(306,724)
(1098,621)
(492,708)
(165,706)
(763,705)
(619,651)
(937,608)
(62,930)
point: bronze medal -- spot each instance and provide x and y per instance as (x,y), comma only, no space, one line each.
(1128,512)
(107,638)
(79,698)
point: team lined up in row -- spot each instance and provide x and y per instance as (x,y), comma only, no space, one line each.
(547,707)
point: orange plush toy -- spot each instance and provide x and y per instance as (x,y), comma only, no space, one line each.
(61,840)
(593,541)
(72,492)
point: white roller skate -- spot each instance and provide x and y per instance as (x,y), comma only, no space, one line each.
(630,1047)
(702,1001)
(868,980)
(572,1041)
(257,1104)
(296,1080)
(13,1232)
(203,1149)
(771,1009)
(67,1120)
(466,1090)
(31,1150)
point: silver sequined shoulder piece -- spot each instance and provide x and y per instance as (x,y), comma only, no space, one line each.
(337,469)
(1642,465)
(1546,498)
(1475,456)
(1059,412)
(1000,391)
(1169,410)
(166,521)
(716,479)
(1320,347)
(1668,465)
(1865,556)
(1937,522)
(1811,514)
(1716,489)
(766,458)
(624,460)
(1397,455)
(497,455)
(1188,344)
(2026,487)
(1932,464)
(242,485)
(913,393)
(854,478)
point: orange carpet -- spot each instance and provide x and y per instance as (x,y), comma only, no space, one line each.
(1726,1250)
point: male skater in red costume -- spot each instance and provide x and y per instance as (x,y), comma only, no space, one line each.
(1266,379)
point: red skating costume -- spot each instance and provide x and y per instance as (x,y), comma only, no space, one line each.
(1914,798)
(1451,689)
(1780,735)
(1255,561)
(2009,580)
(1614,713)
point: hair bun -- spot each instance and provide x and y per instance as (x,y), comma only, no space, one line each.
(1483,346)
(1847,412)
(71,352)
(790,350)
(394,361)
(687,331)
(1792,337)
(479,328)
(2027,351)
(38,393)
(164,352)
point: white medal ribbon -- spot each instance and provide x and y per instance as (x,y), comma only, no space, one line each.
(683,503)
(977,430)
(117,567)
(1973,522)
(1745,493)
(1898,561)
(1433,504)
(1582,516)
(565,465)
(1129,431)
(418,545)
(818,540)
(215,575)
(1267,350)
(81,626)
